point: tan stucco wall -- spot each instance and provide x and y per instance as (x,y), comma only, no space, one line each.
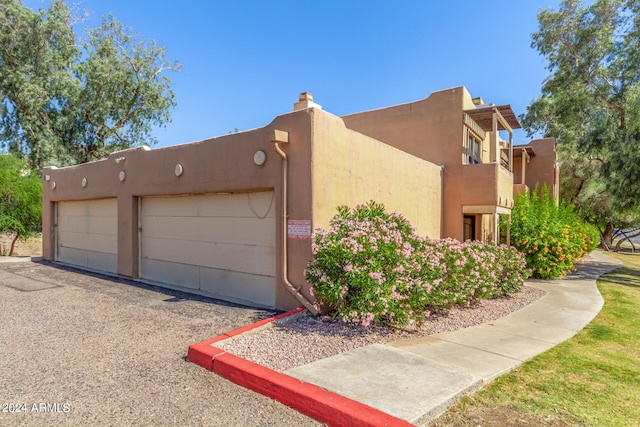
(430,129)
(222,164)
(542,167)
(328,165)
(408,157)
(350,168)
(433,129)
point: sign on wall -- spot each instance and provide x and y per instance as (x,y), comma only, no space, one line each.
(299,229)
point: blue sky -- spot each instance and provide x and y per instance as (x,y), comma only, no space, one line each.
(245,62)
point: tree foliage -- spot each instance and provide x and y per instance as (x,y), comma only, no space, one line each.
(20,199)
(591,103)
(66,100)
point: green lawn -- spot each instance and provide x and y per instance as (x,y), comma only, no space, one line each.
(592,379)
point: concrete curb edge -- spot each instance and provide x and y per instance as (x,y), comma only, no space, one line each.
(307,398)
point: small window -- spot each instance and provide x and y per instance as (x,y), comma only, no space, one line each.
(473,150)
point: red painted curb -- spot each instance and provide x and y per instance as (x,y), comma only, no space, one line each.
(309,399)
(203,352)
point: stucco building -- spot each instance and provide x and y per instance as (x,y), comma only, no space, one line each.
(232,217)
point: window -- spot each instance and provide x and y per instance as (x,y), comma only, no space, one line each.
(473,150)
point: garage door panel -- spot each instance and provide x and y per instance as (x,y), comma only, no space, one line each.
(86,241)
(88,259)
(101,261)
(183,275)
(170,206)
(239,286)
(94,225)
(207,229)
(243,258)
(90,208)
(73,256)
(100,224)
(87,234)
(229,239)
(103,226)
(244,205)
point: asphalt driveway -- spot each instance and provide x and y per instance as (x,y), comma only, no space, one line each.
(83,349)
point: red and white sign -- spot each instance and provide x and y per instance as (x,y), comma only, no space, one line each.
(299,229)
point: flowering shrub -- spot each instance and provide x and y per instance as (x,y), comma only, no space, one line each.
(477,270)
(552,237)
(372,267)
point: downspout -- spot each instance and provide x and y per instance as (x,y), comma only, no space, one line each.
(442,171)
(295,290)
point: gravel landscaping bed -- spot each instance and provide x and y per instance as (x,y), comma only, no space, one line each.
(286,345)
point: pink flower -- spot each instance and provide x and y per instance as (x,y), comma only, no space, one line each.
(376,276)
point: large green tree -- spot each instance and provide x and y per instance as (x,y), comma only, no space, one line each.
(20,200)
(66,99)
(590,103)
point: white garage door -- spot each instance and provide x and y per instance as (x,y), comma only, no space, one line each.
(222,245)
(87,234)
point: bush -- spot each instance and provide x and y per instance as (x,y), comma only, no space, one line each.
(552,237)
(372,267)
(477,270)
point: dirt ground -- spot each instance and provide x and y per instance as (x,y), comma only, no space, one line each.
(483,416)
(29,247)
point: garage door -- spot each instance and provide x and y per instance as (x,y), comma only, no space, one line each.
(222,245)
(87,233)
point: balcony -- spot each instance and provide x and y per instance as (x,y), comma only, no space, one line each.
(487,184)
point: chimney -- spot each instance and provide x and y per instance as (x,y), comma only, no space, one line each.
(305,101)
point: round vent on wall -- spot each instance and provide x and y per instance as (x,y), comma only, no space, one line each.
(259,158)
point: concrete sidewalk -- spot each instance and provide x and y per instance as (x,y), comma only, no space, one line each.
(416,380)
(12,259)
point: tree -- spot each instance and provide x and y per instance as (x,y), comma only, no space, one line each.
(66,100)
(590,103)
(20,199)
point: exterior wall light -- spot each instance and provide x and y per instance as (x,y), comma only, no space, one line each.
(53,185)
(259,158)
(178,170)
(122,176)
(84,182)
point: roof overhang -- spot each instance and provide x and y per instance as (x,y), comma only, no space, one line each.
(483,116)
(518,149)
